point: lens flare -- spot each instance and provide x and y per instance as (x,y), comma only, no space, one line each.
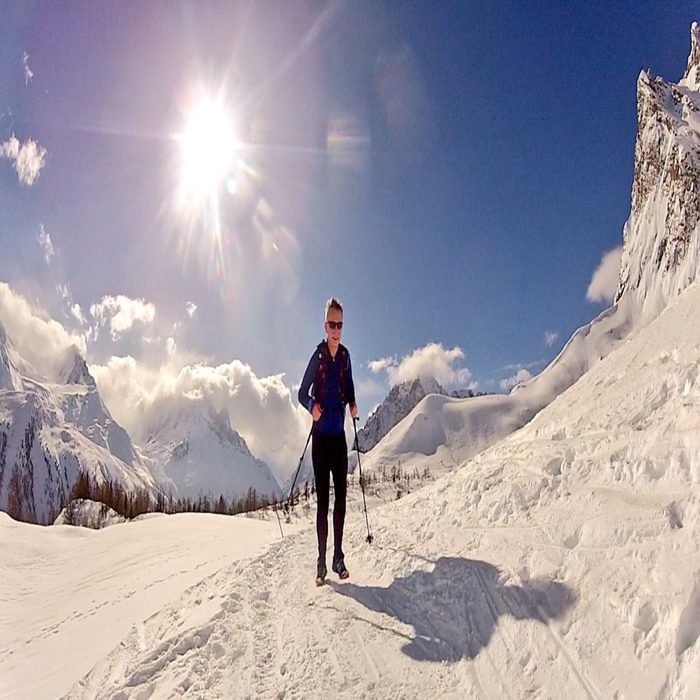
(222,218)
(208,154)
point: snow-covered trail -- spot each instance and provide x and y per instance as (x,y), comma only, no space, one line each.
(562,562)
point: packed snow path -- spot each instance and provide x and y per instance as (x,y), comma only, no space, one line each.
(562,562)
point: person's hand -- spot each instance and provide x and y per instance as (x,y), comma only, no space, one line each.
(353,410)
(316,412)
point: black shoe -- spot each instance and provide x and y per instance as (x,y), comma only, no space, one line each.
(339,568)
(321,572)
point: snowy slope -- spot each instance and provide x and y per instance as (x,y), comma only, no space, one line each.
(400,401)
(442,431)
(69,595)
(193,450)
(562,562)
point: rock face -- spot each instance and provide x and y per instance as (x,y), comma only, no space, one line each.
(661,251)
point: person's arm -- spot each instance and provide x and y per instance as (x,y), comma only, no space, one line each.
(305,395)
(351,391)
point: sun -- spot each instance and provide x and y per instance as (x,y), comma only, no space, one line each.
(208,154)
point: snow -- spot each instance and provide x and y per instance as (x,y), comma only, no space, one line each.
(69,595)
(564,561)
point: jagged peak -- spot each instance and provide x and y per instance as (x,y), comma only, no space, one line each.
(77,371)
(691,77)
(650,87)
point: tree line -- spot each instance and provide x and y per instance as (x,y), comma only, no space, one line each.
(130,503)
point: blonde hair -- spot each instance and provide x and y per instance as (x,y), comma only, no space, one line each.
(332,303)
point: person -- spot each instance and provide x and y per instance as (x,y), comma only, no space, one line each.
(327,387)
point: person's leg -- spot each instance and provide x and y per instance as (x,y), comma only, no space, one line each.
(339,468)
(319,456)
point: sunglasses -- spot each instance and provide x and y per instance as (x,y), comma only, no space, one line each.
(335,324)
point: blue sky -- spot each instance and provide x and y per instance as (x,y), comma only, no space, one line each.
(454,172)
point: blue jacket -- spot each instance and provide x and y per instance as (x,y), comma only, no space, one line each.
(328,381)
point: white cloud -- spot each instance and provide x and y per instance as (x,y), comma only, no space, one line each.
(28,75)
(121,312)
(430,361)
(522,375)
(46,244)
(77,313)
(377,366)
(40,340)
(551,337)
(28,158)
(262,409)
(605,279)
(191,308)
(170,346)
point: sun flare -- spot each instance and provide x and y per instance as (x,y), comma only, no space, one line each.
(208,154)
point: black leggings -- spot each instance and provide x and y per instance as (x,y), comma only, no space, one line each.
(330,456)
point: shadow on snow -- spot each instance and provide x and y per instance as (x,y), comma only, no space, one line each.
(455,608)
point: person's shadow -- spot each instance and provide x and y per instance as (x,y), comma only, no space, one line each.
(455,608)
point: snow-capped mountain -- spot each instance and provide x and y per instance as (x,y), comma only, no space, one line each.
(41,454)
(192,450)
(51,431)
(400,401)
(661,253)
(661,257)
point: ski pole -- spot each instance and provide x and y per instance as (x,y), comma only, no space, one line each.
(279,522)
(369,537)
(301,459)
